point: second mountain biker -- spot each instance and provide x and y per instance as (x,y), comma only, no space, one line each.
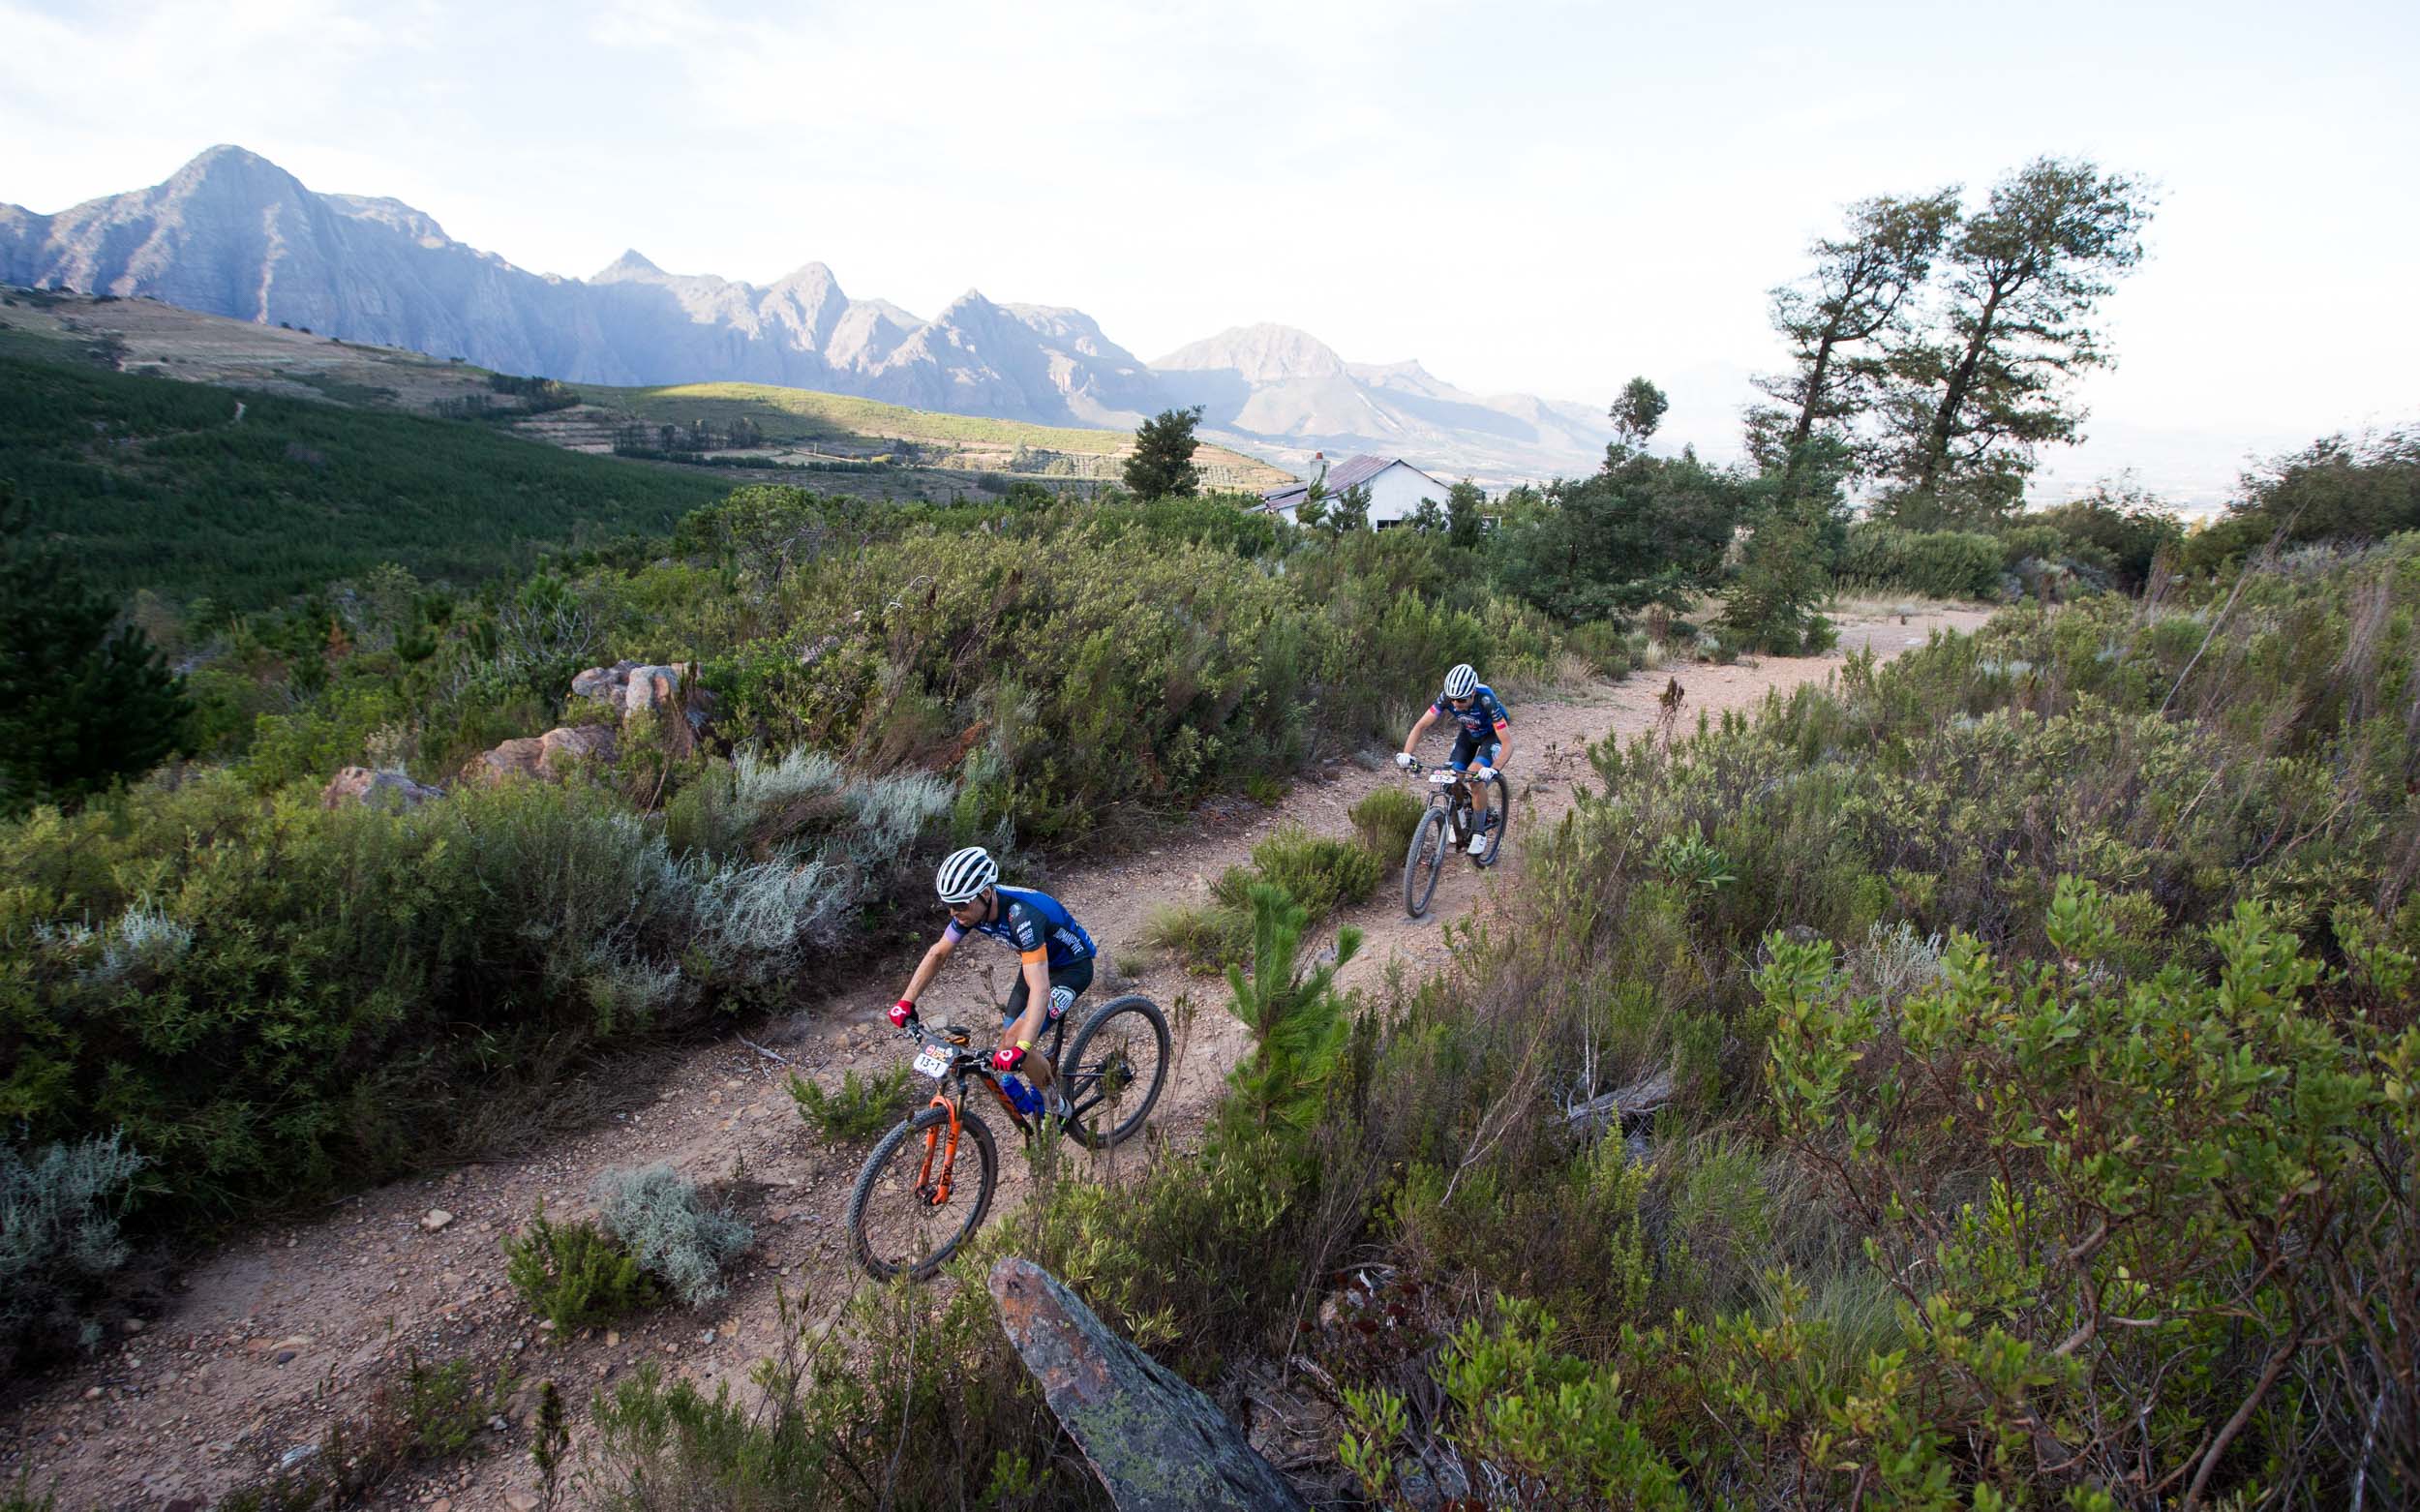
(1484,740)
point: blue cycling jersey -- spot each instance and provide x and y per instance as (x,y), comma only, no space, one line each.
(1484,718)
(1027,921)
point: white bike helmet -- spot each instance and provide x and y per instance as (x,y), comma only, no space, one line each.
(1460,681)
(964,877)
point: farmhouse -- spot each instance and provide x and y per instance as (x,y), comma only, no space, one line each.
(1397,489)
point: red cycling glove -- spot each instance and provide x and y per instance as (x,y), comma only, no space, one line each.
(900,1013)
(1007,1057)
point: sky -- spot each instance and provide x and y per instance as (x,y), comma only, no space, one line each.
(1540,197)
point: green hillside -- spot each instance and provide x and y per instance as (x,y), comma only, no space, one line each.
(797,414)
(158,484)
(801,416)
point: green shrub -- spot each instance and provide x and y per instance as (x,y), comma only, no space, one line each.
(1961,565)
(654,1215)
(1384,819)
(858,1109)
(1202,937)
(273,999)
(2105,1190)
(20,1496)
(59,1242)
(1774,605)
(1557,1428)
(1604,646)
(575,1274)
(445,1407)
(1319,874)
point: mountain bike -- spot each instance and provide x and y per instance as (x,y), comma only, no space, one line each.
(914,1202)
(1448,821)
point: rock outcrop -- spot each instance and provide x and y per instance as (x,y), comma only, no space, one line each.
(1158,1444)
(550,757)
(375,789)
(631,690)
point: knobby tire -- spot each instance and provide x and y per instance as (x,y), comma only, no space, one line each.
(1136,1097)
(1427,843)
(899,1202)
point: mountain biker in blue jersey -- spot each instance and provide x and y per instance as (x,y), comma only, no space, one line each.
(1054,958)
(1484,740)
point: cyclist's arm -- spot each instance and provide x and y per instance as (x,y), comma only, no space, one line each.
(1428,717)
(929,967)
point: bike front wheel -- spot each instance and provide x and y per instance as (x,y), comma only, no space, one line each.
(914,1203)
(1114,1071)
(1424,862)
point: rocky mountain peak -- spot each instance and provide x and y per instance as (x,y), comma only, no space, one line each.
(233,235)
(629,267)
(1263,354)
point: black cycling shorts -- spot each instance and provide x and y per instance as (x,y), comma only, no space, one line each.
(1470,745)
(1067,984)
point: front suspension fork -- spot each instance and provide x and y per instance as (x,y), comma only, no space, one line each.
(934,1192)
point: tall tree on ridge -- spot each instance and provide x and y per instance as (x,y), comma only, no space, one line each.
(1636,413)
(1970,399)
(1839,320)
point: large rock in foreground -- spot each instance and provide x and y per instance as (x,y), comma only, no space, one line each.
(1156,1444)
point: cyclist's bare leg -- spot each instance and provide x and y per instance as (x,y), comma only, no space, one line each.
(1028,1027)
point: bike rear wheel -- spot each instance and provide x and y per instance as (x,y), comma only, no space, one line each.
(1499,805)
(1424,862)
(1114,1071)
(895,1224)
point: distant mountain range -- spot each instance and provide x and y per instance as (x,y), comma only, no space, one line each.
(232,233)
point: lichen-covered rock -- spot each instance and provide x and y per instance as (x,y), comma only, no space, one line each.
(669,694)
(559,749)
(374,790)
(513,759)
(550,757)
(650,688)
(1158,1444)
(605,685)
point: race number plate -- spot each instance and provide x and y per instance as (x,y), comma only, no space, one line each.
(933,1062)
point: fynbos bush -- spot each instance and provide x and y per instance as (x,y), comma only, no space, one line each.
(575,1274)
(657,1217)
(59,1238)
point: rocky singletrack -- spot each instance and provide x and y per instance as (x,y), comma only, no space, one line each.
(270,1338)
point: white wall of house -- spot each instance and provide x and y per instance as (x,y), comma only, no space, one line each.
(1395,494)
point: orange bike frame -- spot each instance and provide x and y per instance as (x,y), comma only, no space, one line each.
(949,1156)
(1016,1114)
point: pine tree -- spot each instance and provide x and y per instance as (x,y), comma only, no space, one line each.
(82,702)
(1970,399)
(1163,464)
(1297,1022)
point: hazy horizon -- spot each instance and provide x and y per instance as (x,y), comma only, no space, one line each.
(1547,199)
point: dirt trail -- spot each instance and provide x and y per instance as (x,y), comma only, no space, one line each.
(274,1337)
